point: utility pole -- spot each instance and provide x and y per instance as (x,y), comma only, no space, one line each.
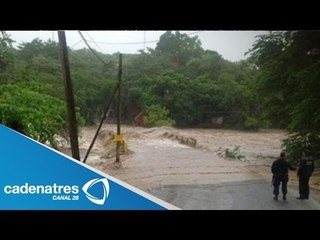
(73,130)
(119,138)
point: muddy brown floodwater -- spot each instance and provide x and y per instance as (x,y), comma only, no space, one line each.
(169,156)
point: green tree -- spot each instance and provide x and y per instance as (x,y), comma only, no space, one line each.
(209,63)
(93,82)
(28,50)
(6,57)
(289,64)
(157,116)
(24,108)
(180,46)
(177,75)
(240,100)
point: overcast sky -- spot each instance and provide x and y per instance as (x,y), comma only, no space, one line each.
(232,45)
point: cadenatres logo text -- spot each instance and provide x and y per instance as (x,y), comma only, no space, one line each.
(64,192)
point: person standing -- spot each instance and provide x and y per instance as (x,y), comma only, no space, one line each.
(280,169)
(306,167)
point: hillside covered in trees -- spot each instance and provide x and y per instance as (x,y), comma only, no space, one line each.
(178,83)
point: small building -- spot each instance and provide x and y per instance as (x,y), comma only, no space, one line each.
(139,119)
(217,122)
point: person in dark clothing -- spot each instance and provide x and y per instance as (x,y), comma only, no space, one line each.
(280,171)
(306,167)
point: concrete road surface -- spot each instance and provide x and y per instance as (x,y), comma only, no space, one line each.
(251,195)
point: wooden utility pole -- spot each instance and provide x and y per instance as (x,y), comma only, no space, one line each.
(119,137)
(73,129)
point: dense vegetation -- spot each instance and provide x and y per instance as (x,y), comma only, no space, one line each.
(177,83)
(288,66)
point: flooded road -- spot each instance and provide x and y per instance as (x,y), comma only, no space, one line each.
(155,160)
(160,159)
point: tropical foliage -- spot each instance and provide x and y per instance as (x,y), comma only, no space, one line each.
(176,83)
(288,78)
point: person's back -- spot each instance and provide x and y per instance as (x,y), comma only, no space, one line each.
(280,169)
(304,173)
(306,166)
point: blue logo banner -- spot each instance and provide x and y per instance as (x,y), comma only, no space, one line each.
(36,177)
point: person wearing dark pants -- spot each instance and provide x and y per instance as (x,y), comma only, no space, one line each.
(306,167)
(280,169)
(283,180)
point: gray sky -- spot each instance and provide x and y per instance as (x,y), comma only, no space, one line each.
(232,45)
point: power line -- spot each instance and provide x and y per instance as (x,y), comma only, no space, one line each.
(132,43)
(86,42)
(76,43)
(194,33)
(113,43)
(94,42)
(126,43)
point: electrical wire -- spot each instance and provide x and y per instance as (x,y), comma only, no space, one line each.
(76,43)
(125,43)
(94,52)
(132,43)
(94,42)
